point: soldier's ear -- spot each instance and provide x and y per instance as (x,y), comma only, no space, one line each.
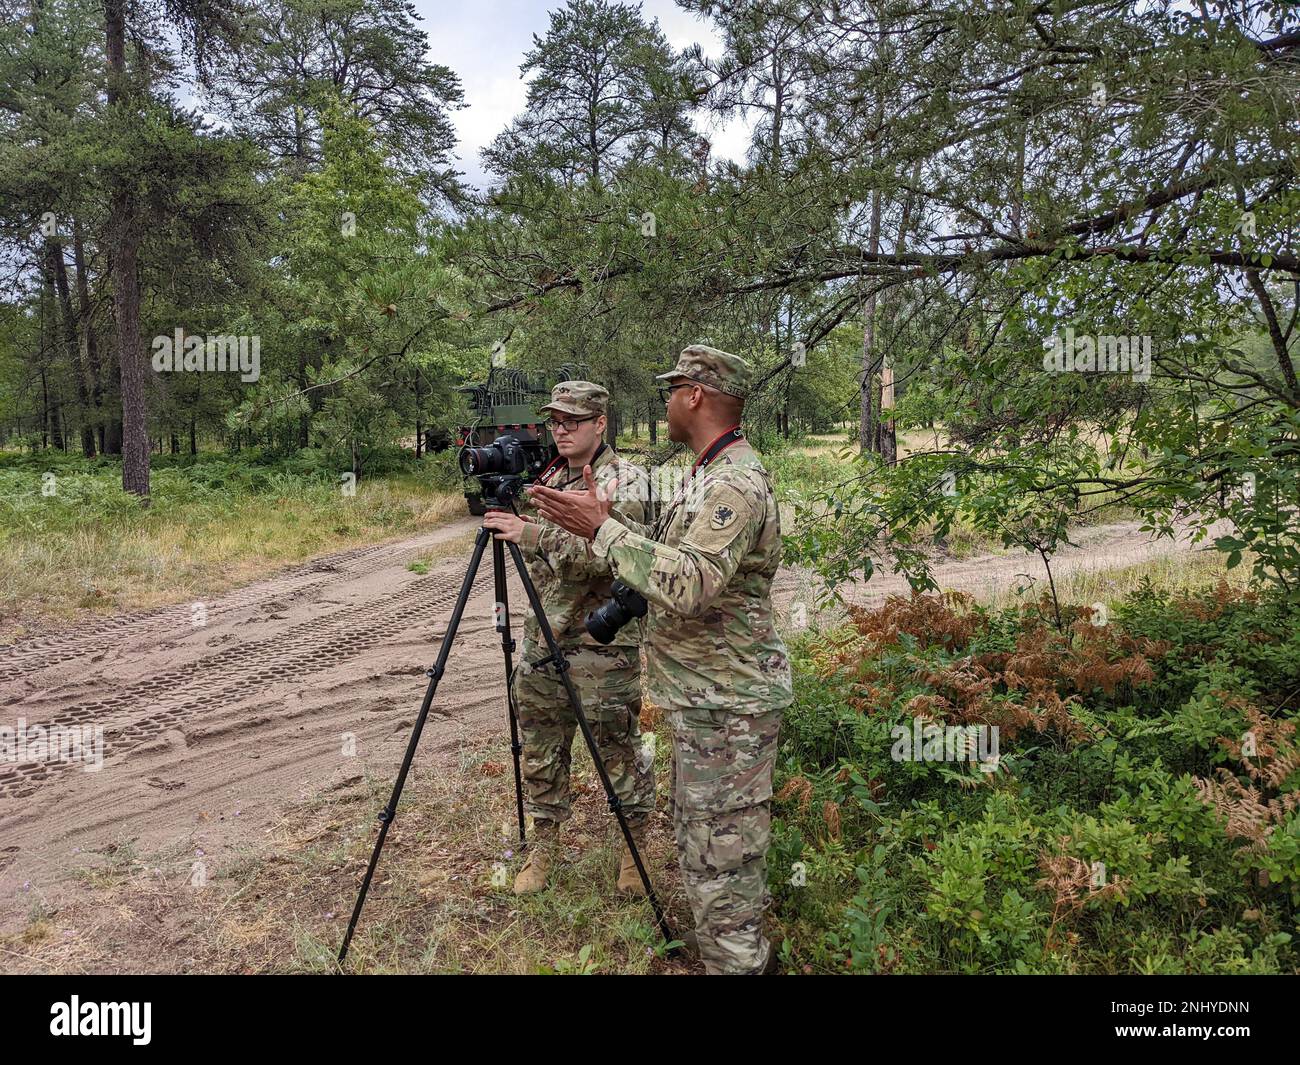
(601,423)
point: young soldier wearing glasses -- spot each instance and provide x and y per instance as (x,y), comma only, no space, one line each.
(572,580)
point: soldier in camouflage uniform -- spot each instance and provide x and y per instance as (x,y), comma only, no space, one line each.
(571,580)
(715,661)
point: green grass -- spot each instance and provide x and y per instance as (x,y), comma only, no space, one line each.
(1194,568)
(71,541)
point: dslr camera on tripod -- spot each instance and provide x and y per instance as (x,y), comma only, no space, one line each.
(500,469)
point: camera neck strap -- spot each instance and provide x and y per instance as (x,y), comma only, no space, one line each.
(561,463)
(720,444)
(555,464)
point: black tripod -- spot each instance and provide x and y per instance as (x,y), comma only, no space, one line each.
(556,661)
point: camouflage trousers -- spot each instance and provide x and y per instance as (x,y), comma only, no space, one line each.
(608,680)
(720,798)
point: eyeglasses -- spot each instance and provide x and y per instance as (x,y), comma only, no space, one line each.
(568,424)
(666,394)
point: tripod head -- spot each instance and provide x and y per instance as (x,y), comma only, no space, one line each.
(501,490)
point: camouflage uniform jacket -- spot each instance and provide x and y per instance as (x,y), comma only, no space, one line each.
(571,579)
(706,569)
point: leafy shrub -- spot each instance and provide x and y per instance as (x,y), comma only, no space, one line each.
(1141,814)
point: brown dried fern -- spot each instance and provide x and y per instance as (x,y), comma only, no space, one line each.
(1070,882)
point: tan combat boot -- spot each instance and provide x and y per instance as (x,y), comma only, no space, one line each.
(541,853)
(629,880)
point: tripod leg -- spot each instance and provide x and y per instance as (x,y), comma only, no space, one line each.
(561,667)
(435,674)
(507,649)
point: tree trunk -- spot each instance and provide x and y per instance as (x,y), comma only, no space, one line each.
(419,427)
(126,311)
(52,426)
(888,433)
(868,429)
(1018,187)
(304,419)
(59,272)
(877,396)
(778,108)
(784,416)
(125,244)
(888,439)
(56,420)
(45,410)
(86,327)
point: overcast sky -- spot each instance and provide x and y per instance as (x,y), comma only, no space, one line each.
(484,41)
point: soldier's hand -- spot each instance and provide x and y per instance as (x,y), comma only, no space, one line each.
(581,513)
(504,525)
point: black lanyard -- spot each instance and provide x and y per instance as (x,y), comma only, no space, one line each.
(724,440)
(720,444)
(559,462)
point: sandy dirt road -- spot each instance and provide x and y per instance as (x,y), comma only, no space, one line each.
(208,728)
(302,682)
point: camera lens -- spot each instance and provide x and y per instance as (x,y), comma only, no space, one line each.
(476,461)
(625,604)
(604,622)
(503,455)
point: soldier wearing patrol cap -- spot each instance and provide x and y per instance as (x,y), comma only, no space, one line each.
(715,661)
(572,580)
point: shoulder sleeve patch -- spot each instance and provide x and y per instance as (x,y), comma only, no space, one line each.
(724,513)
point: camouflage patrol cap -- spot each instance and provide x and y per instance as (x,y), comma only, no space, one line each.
(581,398)
(709,366)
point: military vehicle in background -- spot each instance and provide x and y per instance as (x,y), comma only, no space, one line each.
(506,405)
